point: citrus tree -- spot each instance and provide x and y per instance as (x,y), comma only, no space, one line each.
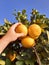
(33,48)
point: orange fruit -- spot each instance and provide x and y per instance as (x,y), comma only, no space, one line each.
(11,56)
(21,29)
(28,42)
(34,31)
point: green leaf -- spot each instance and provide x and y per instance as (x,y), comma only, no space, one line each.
(2,62)
(19,63)
(8,62)
(23,11)
(6,21)
(44,25)
(18,13)
(1,33)
(19,57)
(48,36)
(5,28)
(29,62)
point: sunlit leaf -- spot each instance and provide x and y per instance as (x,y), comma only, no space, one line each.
(48,36)
(44,25)
(2,33)
(6,21)
(2,62)
(5,28)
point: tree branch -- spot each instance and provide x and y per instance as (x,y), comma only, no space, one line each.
(38,59)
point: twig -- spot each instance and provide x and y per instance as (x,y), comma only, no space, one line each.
(38,59)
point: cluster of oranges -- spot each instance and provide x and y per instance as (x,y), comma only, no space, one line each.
(28,40)
(31,34)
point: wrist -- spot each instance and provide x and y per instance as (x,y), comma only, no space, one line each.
(6,39)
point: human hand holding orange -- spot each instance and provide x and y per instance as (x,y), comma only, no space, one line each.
(10,36)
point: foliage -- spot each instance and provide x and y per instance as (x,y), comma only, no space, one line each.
(28,56)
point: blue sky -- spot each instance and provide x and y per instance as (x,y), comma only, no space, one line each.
(7,8)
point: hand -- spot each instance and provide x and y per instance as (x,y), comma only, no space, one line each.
(12,35)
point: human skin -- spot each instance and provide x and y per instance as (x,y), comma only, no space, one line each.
(10,36)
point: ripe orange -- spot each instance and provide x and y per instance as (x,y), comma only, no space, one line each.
(34,31)
(21,29)
(28,42)
(11,56)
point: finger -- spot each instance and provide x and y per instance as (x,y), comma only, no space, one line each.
(15,25)
(21,34)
